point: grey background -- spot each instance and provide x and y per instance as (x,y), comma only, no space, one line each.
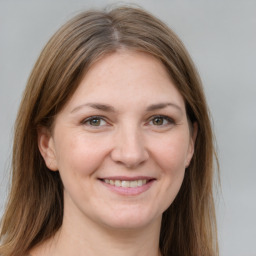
(221,38)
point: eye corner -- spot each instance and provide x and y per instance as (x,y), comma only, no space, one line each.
(161,121)
(95,122)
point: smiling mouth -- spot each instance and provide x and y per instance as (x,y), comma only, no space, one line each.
(127,182)
(128,186)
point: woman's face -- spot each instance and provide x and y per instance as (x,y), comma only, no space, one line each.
(122,143)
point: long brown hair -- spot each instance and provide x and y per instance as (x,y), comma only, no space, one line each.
(35,207)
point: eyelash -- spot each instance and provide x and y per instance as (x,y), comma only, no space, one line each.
(91,118)
(166,121)
(169,120)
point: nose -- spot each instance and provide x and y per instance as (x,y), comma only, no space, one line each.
(129,148)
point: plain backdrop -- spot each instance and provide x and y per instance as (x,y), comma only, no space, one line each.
(221,38)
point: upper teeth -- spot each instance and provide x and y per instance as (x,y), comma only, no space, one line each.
(126,183)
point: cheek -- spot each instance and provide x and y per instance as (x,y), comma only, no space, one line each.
(79,155)
(172,154)
(171,158)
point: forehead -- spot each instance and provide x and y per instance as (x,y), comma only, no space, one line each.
(128,76)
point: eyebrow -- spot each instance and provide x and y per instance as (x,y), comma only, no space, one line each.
(109,108)
(98,106)
(163,105)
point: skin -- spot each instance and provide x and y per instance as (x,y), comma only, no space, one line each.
(142,130)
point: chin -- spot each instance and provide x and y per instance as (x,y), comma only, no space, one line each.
(130,220)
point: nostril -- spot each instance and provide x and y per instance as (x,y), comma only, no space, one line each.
(128,148)
(129,160)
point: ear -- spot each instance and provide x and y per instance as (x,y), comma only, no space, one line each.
(47,148)
(192,142)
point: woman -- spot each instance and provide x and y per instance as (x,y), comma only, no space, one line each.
(113,148)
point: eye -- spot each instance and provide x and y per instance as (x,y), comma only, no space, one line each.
(161,120)
(96,121)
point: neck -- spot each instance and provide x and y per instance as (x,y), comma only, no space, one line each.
(109,242)
(87,238)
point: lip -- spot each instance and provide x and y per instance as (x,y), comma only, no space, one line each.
(128,191)
(127,178)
